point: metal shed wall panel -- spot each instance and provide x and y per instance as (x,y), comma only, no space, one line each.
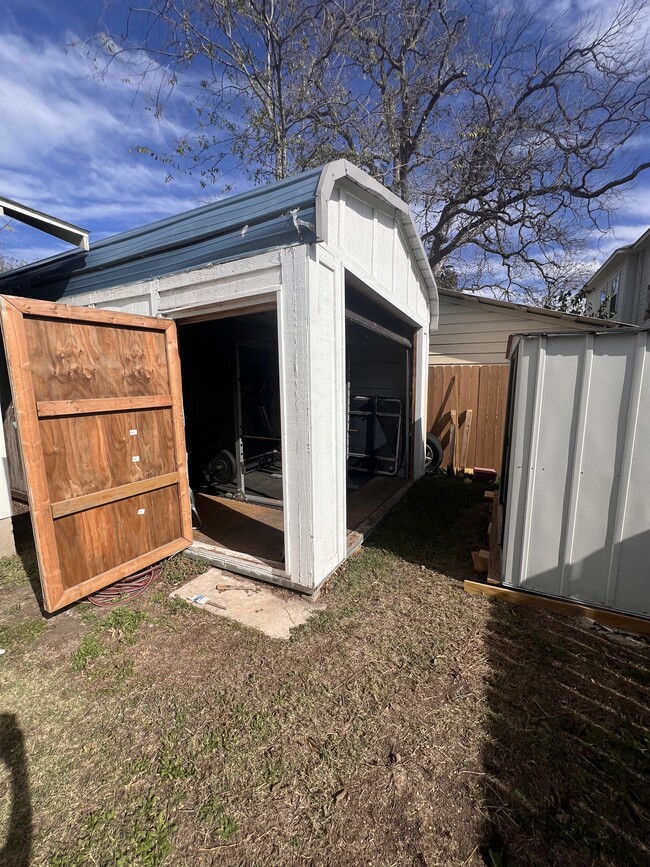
(577,510)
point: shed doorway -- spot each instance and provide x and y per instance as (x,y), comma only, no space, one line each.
(379,371)
(231,397)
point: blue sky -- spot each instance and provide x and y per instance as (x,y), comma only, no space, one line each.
(68,140)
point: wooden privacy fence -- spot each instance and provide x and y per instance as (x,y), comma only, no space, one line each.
(466,410)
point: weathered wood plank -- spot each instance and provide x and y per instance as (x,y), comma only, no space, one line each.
(89,586)
(78,360)
(97,540)
(18,361)
(110,495)
(611,619)
(52,408)
(89,453)
(55,310)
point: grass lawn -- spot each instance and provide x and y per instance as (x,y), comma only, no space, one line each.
(408,724)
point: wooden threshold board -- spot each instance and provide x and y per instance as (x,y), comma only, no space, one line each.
(610,619)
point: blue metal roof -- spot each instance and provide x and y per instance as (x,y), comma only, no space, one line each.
(266,218)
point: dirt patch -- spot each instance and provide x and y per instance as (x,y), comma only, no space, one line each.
(407,724)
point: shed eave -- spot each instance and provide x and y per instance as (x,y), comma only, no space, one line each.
(45,223)
(535,311)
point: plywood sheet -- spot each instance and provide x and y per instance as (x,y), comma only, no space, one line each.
(99,410)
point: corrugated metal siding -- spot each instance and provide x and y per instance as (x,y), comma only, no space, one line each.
(577,510)
(475,333)
(212,233)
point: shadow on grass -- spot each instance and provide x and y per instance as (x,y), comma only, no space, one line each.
(437,525)
(17,848)
(566,738)
(567,742)
(25,549)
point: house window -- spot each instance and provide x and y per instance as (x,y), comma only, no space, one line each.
(647,301)
(609,297)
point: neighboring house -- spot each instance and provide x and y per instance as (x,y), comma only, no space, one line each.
(620,288)
(294,379)
(468,369)
(12,210)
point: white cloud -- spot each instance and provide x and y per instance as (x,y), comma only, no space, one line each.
(68,145)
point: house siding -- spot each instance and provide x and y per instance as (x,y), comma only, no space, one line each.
(643,295)
(470,332)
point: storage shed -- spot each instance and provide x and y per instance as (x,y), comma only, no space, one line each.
(574,499)
(274,344)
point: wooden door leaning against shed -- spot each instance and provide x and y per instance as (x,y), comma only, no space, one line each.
(100,420)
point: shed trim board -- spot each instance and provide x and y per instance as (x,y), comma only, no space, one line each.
(46,223)
(371,246)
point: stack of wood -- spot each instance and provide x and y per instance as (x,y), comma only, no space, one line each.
(487,560)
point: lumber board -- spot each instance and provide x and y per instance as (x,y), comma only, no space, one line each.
(480,560)
(180,451)
(453,428)
(18,363)
(494,554)
(467,431)
(610,619)
(53,408)
(111,495)
(94,315)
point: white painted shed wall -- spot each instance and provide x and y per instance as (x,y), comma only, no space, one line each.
(370,239)
(474,332)
(576,512)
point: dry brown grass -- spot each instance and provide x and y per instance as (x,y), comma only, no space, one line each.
(408,724)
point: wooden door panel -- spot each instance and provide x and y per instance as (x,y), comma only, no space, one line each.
(89,453)
(72,360)
(95,541)
(99,408)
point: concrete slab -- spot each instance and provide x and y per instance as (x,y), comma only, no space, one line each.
(272,611)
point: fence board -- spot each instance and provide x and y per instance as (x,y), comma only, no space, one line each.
(481,388)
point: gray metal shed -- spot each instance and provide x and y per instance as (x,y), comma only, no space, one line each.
(574,497)
(303,312)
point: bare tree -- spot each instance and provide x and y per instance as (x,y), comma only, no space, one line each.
(509,131)
(248,68)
